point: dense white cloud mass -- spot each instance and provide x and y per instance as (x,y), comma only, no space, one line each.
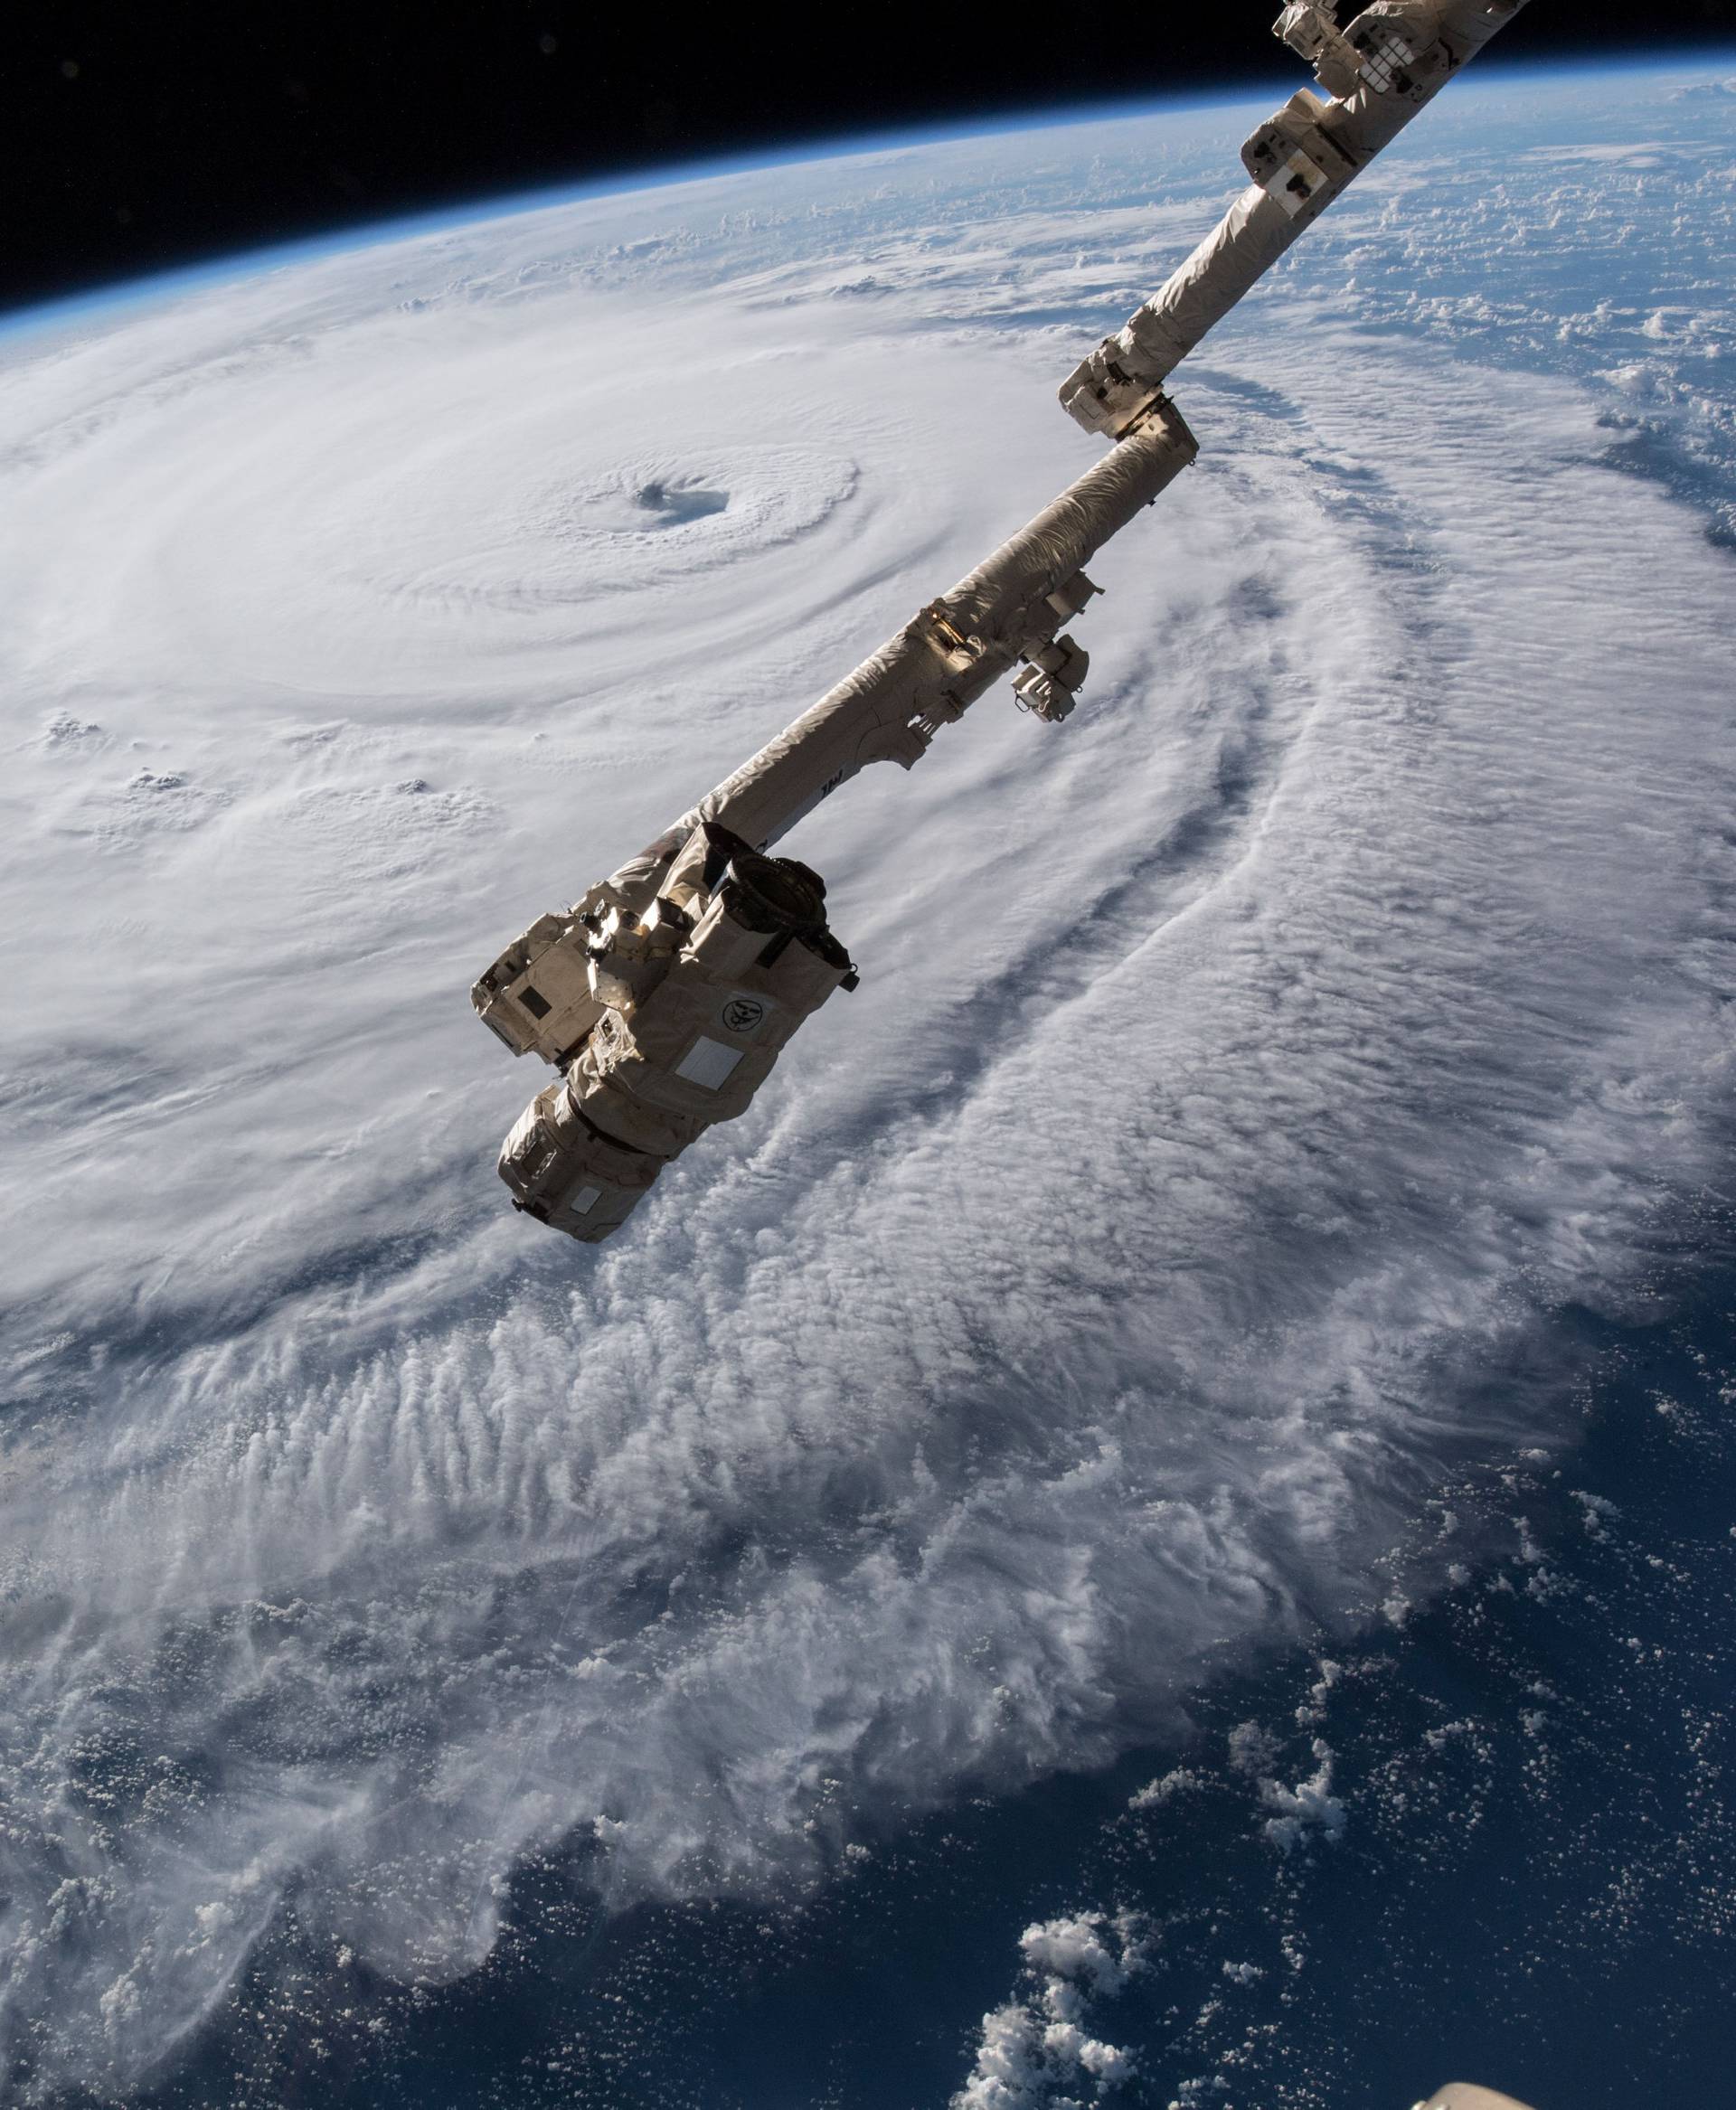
(1241,1072)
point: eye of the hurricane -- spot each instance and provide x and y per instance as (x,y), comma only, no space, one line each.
(672,507)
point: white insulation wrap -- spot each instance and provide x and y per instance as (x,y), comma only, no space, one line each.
(994,600)
(1244,245)
(944,658)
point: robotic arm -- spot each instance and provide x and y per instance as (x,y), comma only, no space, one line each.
(666,994)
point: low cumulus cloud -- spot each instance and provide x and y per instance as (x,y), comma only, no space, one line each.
(1305,1809)
(1036,2052)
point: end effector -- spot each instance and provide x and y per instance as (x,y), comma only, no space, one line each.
(665,997)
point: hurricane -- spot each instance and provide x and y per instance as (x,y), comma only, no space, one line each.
(1262,1091)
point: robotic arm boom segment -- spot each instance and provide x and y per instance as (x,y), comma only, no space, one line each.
(1395,57)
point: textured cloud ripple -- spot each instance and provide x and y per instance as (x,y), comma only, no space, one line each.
(1249,1081)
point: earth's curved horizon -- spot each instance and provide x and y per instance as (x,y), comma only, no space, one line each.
(1695,66)
(1175,1472)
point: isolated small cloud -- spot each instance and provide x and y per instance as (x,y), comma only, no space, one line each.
(1307,1810)
(1037,2052)
(1178,1780)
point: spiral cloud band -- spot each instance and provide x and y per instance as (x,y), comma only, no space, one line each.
(1242,1073)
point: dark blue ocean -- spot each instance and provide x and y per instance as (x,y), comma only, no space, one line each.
(1532,1880)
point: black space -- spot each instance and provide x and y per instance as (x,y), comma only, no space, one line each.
(146,134)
